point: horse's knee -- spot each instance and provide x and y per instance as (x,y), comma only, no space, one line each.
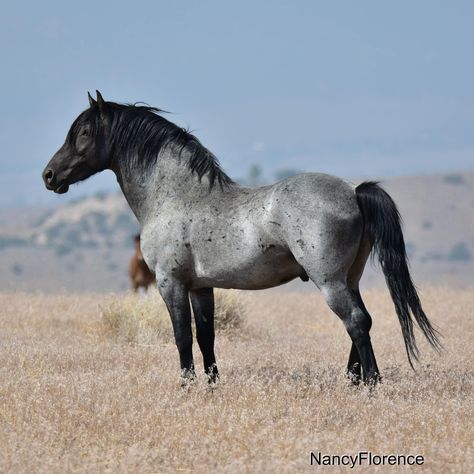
(204,331)
(184,342)
(205,337)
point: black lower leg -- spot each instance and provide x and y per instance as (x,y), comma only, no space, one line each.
(203,307)
(186,357)
(371,374)
(175,295)
(354,370)
(367,357)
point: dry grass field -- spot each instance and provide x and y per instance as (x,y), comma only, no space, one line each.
(78,393)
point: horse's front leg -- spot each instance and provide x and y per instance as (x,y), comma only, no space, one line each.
(202,301)
(176,297)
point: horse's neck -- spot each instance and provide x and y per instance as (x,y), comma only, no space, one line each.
(136,191)
(169,180)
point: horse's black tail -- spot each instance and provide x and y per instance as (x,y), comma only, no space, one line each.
(383,226)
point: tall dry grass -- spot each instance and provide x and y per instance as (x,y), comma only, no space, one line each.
(75,399)
(145,320)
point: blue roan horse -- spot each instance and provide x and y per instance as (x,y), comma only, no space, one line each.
(200,230)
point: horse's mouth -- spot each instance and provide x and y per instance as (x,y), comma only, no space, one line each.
(62,188)
(57,188)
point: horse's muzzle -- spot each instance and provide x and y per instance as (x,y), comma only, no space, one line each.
(49,179)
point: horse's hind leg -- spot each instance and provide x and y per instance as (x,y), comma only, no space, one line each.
(348,305)
(354,367)
(334,263)
(202,301)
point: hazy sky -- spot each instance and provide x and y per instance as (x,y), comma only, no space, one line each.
(364,88)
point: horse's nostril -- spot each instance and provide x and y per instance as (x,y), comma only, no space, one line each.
(49,176)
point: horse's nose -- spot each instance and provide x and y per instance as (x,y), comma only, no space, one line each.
(48,176)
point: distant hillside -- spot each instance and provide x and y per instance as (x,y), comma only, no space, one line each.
(438,212)
(104,220)
(84,245)
(87,244)
(438,217)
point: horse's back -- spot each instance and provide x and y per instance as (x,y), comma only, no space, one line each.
(318,191)
(310,202)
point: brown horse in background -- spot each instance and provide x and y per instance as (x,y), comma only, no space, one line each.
(140,274)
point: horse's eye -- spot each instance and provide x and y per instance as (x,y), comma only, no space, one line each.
(84,133)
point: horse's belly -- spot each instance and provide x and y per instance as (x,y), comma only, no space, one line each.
(251,273)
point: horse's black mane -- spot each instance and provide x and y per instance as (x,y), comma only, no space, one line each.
(140,132)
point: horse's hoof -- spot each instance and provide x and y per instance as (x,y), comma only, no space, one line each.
(354,374)
(188,377)
(212,379)
(373,380)
(355,379)
(212,374)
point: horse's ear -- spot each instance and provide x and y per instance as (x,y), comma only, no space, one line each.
(100,102)
(92,102)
